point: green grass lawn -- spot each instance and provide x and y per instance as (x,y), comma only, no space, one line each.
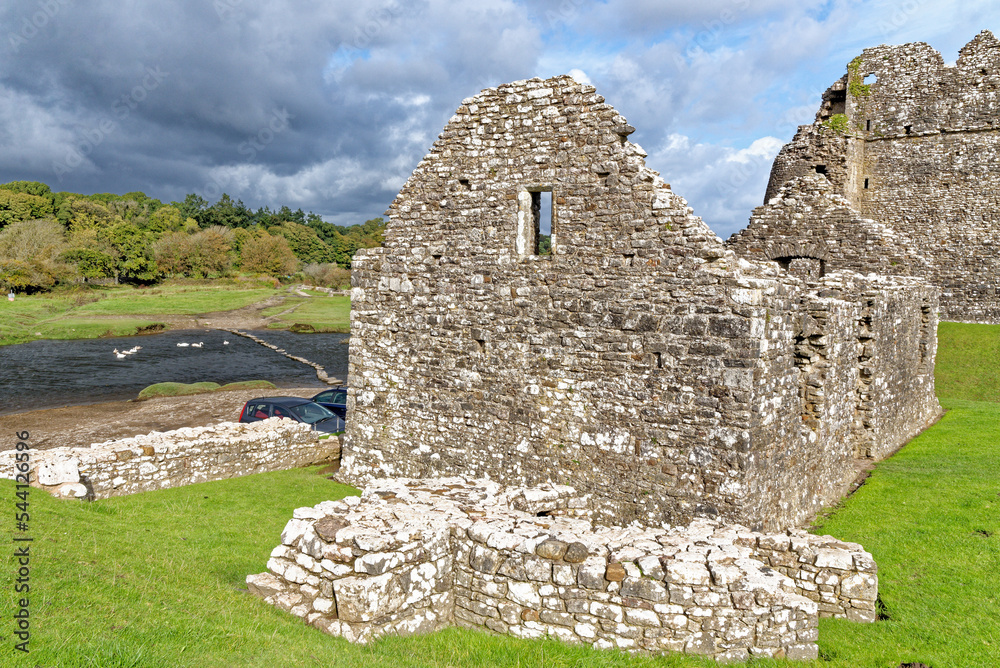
(968,361)
(176,300)
(326,313)
(82,315)
(31,318)
(930,516)
(155,579)
(71,315)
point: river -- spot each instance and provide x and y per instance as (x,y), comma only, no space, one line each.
(49,374)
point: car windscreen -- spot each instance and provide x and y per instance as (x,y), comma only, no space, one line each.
(311,412)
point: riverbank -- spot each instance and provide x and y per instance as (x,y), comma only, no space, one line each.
(100,312)
(79,426)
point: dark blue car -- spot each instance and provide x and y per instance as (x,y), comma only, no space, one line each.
(335,399)
(293,408)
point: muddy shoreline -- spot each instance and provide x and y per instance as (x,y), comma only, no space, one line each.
(79,426)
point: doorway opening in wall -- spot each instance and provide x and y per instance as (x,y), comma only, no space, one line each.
(541,214)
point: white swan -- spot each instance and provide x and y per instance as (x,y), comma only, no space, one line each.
(120,356)
(198,345)
(183,345)
(225,343)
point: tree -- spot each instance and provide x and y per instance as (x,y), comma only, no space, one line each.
(133,253)
(328,275)
(165,219)
(227,213)
(172,252)
(213,246)
(88,215)
(295,216)
(30,253)
(268,255)
(193,206)
(304,242)
(91,262)
(36,188)
(16,206)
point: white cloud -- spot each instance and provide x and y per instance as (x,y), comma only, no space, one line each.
(764,148)
(722,184)
(714,86)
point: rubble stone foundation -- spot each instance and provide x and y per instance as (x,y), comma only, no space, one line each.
(415,556)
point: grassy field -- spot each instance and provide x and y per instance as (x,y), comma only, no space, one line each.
(325,313)
(72,315)
(967,362)
(155,579)
(85,314)
(53,317)
(176,300)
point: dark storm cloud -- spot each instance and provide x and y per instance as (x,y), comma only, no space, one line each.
(322,105)
(328,106)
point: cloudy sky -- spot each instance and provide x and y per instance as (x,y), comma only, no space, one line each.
(328,105)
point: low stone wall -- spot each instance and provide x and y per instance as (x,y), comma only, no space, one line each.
(171,459)
(414,556)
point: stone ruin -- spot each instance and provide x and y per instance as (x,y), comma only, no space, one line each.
(902,159)
(161,460)
(415,556)
(638,411)
(642,361)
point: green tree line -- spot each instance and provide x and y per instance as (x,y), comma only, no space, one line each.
(48,238)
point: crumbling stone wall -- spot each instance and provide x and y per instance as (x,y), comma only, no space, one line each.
(807,219)
(915,149)
(174,458)
(641,362)
(414,556)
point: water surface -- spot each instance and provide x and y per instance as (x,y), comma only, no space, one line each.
(48,374)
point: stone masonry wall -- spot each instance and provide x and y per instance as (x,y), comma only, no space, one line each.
(171,459)
(642,362)
(806,218)
(414,556)
(919,142)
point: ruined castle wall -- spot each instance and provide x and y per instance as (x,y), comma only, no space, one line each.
(897,334)
(806,218)
(620,385)
(415,556)
(944,191)
(630,363)
(641,362)
(921,141)
(815,149)
(161,460)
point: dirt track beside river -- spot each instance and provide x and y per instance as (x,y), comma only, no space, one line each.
(76,426)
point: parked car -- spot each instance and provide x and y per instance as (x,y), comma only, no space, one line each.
(293,408)
(335,399)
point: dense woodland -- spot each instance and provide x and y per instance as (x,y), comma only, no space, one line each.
(48,239)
